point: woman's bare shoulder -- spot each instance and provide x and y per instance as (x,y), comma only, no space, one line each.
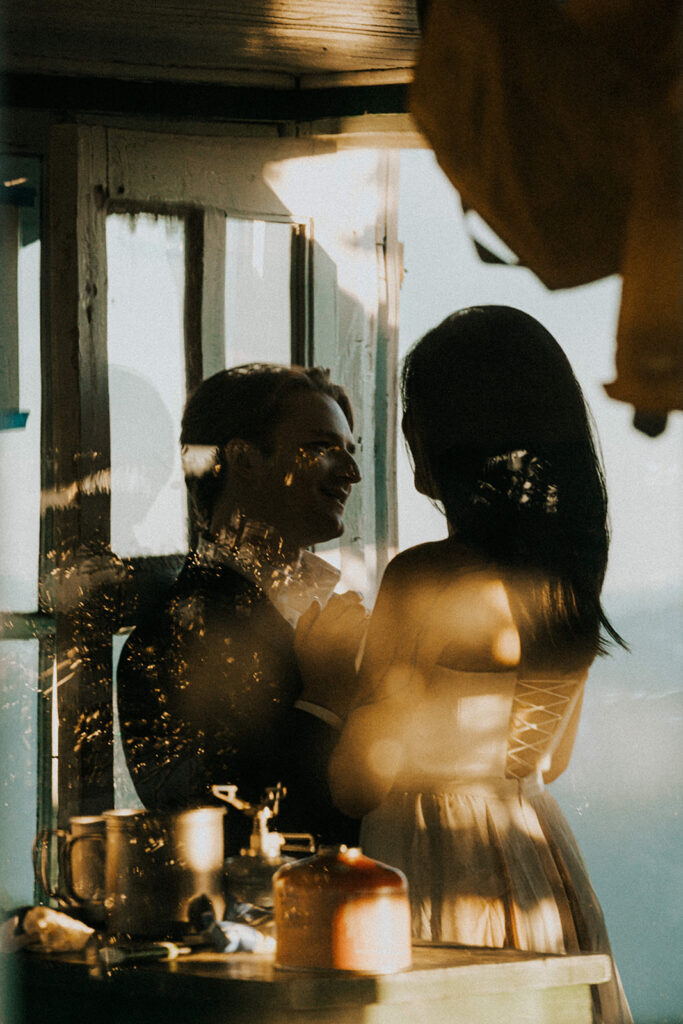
(461,598)
(437,561)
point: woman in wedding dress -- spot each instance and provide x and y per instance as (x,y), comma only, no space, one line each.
(479,647)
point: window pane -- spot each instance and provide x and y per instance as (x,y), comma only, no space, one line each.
(18,794)
(19,384)
(257,292)
(145,263)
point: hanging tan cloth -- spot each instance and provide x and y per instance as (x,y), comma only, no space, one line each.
(561,127)
(649,357)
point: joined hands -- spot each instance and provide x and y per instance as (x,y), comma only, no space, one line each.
(328,642)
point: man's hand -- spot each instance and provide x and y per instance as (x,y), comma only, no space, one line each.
(327,644)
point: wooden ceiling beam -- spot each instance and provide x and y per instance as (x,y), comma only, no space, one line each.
(199,101)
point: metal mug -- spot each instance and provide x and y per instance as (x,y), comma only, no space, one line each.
(162,870)
(80,885)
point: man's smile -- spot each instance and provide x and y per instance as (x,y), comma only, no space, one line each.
(339,495)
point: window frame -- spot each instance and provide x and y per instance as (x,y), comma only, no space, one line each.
(95,170)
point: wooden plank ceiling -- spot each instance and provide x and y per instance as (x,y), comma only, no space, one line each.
(264,42)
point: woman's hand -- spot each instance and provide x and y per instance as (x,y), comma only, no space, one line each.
(327,644)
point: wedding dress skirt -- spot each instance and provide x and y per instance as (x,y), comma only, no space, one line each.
(489,856)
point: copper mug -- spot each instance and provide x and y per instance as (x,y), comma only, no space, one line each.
(80,884)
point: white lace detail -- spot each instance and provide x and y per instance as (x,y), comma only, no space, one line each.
(539,707)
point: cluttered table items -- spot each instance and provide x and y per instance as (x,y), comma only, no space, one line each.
(445,984)
(166,931)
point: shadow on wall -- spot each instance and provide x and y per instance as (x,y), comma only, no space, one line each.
(144,444)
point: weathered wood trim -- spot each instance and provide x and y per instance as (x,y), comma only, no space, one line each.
(58,67)
(26,626)
(389,267)
(213,291)
(9,312)
(91,244)
(46,811)
(195,101)
(211,39)
(144,169)
(300,299)
(349,79)
(80,435)
(192,306)
(447,986)
(204,312)
(376,131)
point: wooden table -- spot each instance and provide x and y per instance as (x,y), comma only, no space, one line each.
(446,985)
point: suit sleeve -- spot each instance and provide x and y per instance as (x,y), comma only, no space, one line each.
(308,743)
(165,774)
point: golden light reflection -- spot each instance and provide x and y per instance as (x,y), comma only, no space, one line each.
(506,646)
(63,497)
(384,758)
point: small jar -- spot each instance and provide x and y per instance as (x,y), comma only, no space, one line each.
(341,910)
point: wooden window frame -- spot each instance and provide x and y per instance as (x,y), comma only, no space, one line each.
(93,171)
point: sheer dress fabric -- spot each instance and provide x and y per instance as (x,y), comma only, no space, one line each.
(490,858)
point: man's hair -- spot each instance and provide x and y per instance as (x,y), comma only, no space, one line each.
(243,402)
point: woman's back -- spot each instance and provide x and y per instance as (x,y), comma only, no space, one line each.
(479,715)
(480,725)
(489,856)
(478,648)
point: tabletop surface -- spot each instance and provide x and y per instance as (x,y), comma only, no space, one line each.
(437,972)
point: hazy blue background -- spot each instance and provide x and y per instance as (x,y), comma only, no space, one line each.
(622,792)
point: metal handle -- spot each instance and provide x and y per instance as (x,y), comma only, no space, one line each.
(270,799)
(228,794)
(66,869)
(40,855)
(298,842)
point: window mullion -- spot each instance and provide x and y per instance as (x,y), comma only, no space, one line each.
(80,496)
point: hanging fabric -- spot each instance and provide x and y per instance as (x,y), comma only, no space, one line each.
(560,126)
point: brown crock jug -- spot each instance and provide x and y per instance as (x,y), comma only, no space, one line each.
(341,910)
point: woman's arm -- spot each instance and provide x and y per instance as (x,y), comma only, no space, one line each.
(433,607)
(390,684)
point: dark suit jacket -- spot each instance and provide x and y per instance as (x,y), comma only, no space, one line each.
(206,691)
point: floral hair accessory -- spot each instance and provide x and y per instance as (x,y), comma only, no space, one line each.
(518,478)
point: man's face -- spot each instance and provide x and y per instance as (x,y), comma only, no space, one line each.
(308,476)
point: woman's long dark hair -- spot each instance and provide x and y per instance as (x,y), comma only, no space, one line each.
(501,435)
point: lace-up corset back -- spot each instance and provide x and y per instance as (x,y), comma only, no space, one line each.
(540,711)
(476,725)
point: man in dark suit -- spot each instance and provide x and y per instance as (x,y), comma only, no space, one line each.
(209,688)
